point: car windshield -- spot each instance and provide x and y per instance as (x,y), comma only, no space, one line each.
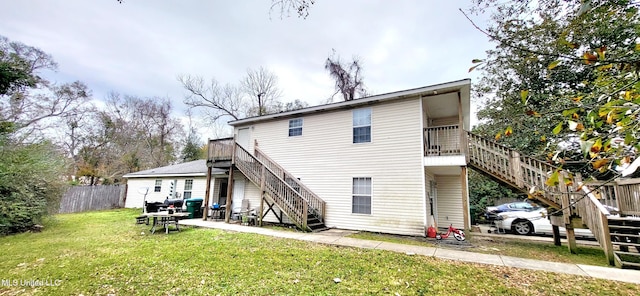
(525,206)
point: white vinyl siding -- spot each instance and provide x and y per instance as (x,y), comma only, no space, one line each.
(135,189)
(326,160)
(445,121)
(449,201)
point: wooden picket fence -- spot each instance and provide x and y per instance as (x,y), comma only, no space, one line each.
(92,198)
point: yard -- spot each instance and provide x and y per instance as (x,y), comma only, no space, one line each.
(106,253)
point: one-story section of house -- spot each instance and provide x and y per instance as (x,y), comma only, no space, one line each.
(183,181)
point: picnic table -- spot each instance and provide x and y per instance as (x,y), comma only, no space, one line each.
(164,218)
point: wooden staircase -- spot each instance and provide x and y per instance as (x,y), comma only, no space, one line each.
(619,236)
(277,186)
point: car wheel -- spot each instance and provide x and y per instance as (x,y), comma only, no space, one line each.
(522,227)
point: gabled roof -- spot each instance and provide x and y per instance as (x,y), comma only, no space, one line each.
(426,90)
(196,168)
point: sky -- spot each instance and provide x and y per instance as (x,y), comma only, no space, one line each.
(140,47)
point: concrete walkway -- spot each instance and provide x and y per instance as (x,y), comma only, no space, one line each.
(338,237)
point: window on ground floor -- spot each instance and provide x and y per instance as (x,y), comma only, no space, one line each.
(361,201)
(188,185)
(158,186)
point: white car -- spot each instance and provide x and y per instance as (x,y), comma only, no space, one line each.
(529,222)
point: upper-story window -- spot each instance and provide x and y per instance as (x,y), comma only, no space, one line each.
(295,127)
(158,186)
(362,125)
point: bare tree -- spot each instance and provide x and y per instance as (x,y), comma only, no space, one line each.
(214,100)
(301,7)
(257,94)
(261,85)
(347,77)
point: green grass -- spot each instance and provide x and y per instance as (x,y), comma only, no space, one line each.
(508,247)
(105,253)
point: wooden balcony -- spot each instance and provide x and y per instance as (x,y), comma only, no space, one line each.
(219,152)
(443,140)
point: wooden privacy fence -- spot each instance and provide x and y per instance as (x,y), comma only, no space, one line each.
(92,198)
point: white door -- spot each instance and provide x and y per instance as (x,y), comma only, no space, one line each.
(243,137)
(238,195)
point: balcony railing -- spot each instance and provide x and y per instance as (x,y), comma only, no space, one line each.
(442,140)
(220,149)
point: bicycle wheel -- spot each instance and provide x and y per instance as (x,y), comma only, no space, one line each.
(459,235)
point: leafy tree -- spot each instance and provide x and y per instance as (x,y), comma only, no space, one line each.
(347,77)
(483,192)
(30,168)
(563,77)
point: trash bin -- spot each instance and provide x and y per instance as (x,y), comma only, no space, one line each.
(194,207)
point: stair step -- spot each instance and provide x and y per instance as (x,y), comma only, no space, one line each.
(624,234)
(320,229)
(625,244)
(623,227)
(628,264)
(626,253)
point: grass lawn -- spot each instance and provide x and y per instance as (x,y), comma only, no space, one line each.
(508,247)
(105,253)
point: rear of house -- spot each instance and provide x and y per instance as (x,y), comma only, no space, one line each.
(391,163)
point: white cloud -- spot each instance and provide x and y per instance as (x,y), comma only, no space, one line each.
(140,47)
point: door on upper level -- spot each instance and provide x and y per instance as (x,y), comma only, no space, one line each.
(244,134)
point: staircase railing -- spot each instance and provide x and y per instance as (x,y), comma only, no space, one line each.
(287,198)
(594,215)
(316,204)
(508,165)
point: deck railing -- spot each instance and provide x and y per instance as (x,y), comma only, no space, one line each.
(623,194)
(316,204)
(442,140)
(220,149)
(594,215)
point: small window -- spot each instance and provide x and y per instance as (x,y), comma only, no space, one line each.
(362,125)
(158,186)
(188,186)
(361,202)
(295,127)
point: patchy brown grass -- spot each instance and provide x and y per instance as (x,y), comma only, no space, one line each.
(100,253)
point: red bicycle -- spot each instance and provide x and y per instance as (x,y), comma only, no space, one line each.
(457,233)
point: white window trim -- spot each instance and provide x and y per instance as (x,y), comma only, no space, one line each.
(185,190)
(370,197)
(155,184)
(370,126)
(301,127)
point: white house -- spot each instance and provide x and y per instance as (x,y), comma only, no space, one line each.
(184,180)
(392,163)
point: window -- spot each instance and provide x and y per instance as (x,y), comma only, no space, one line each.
(158,186)
(295,127)
(361,202)
(362,125)
(188,185)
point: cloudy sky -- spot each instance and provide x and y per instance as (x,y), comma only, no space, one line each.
(140,47)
